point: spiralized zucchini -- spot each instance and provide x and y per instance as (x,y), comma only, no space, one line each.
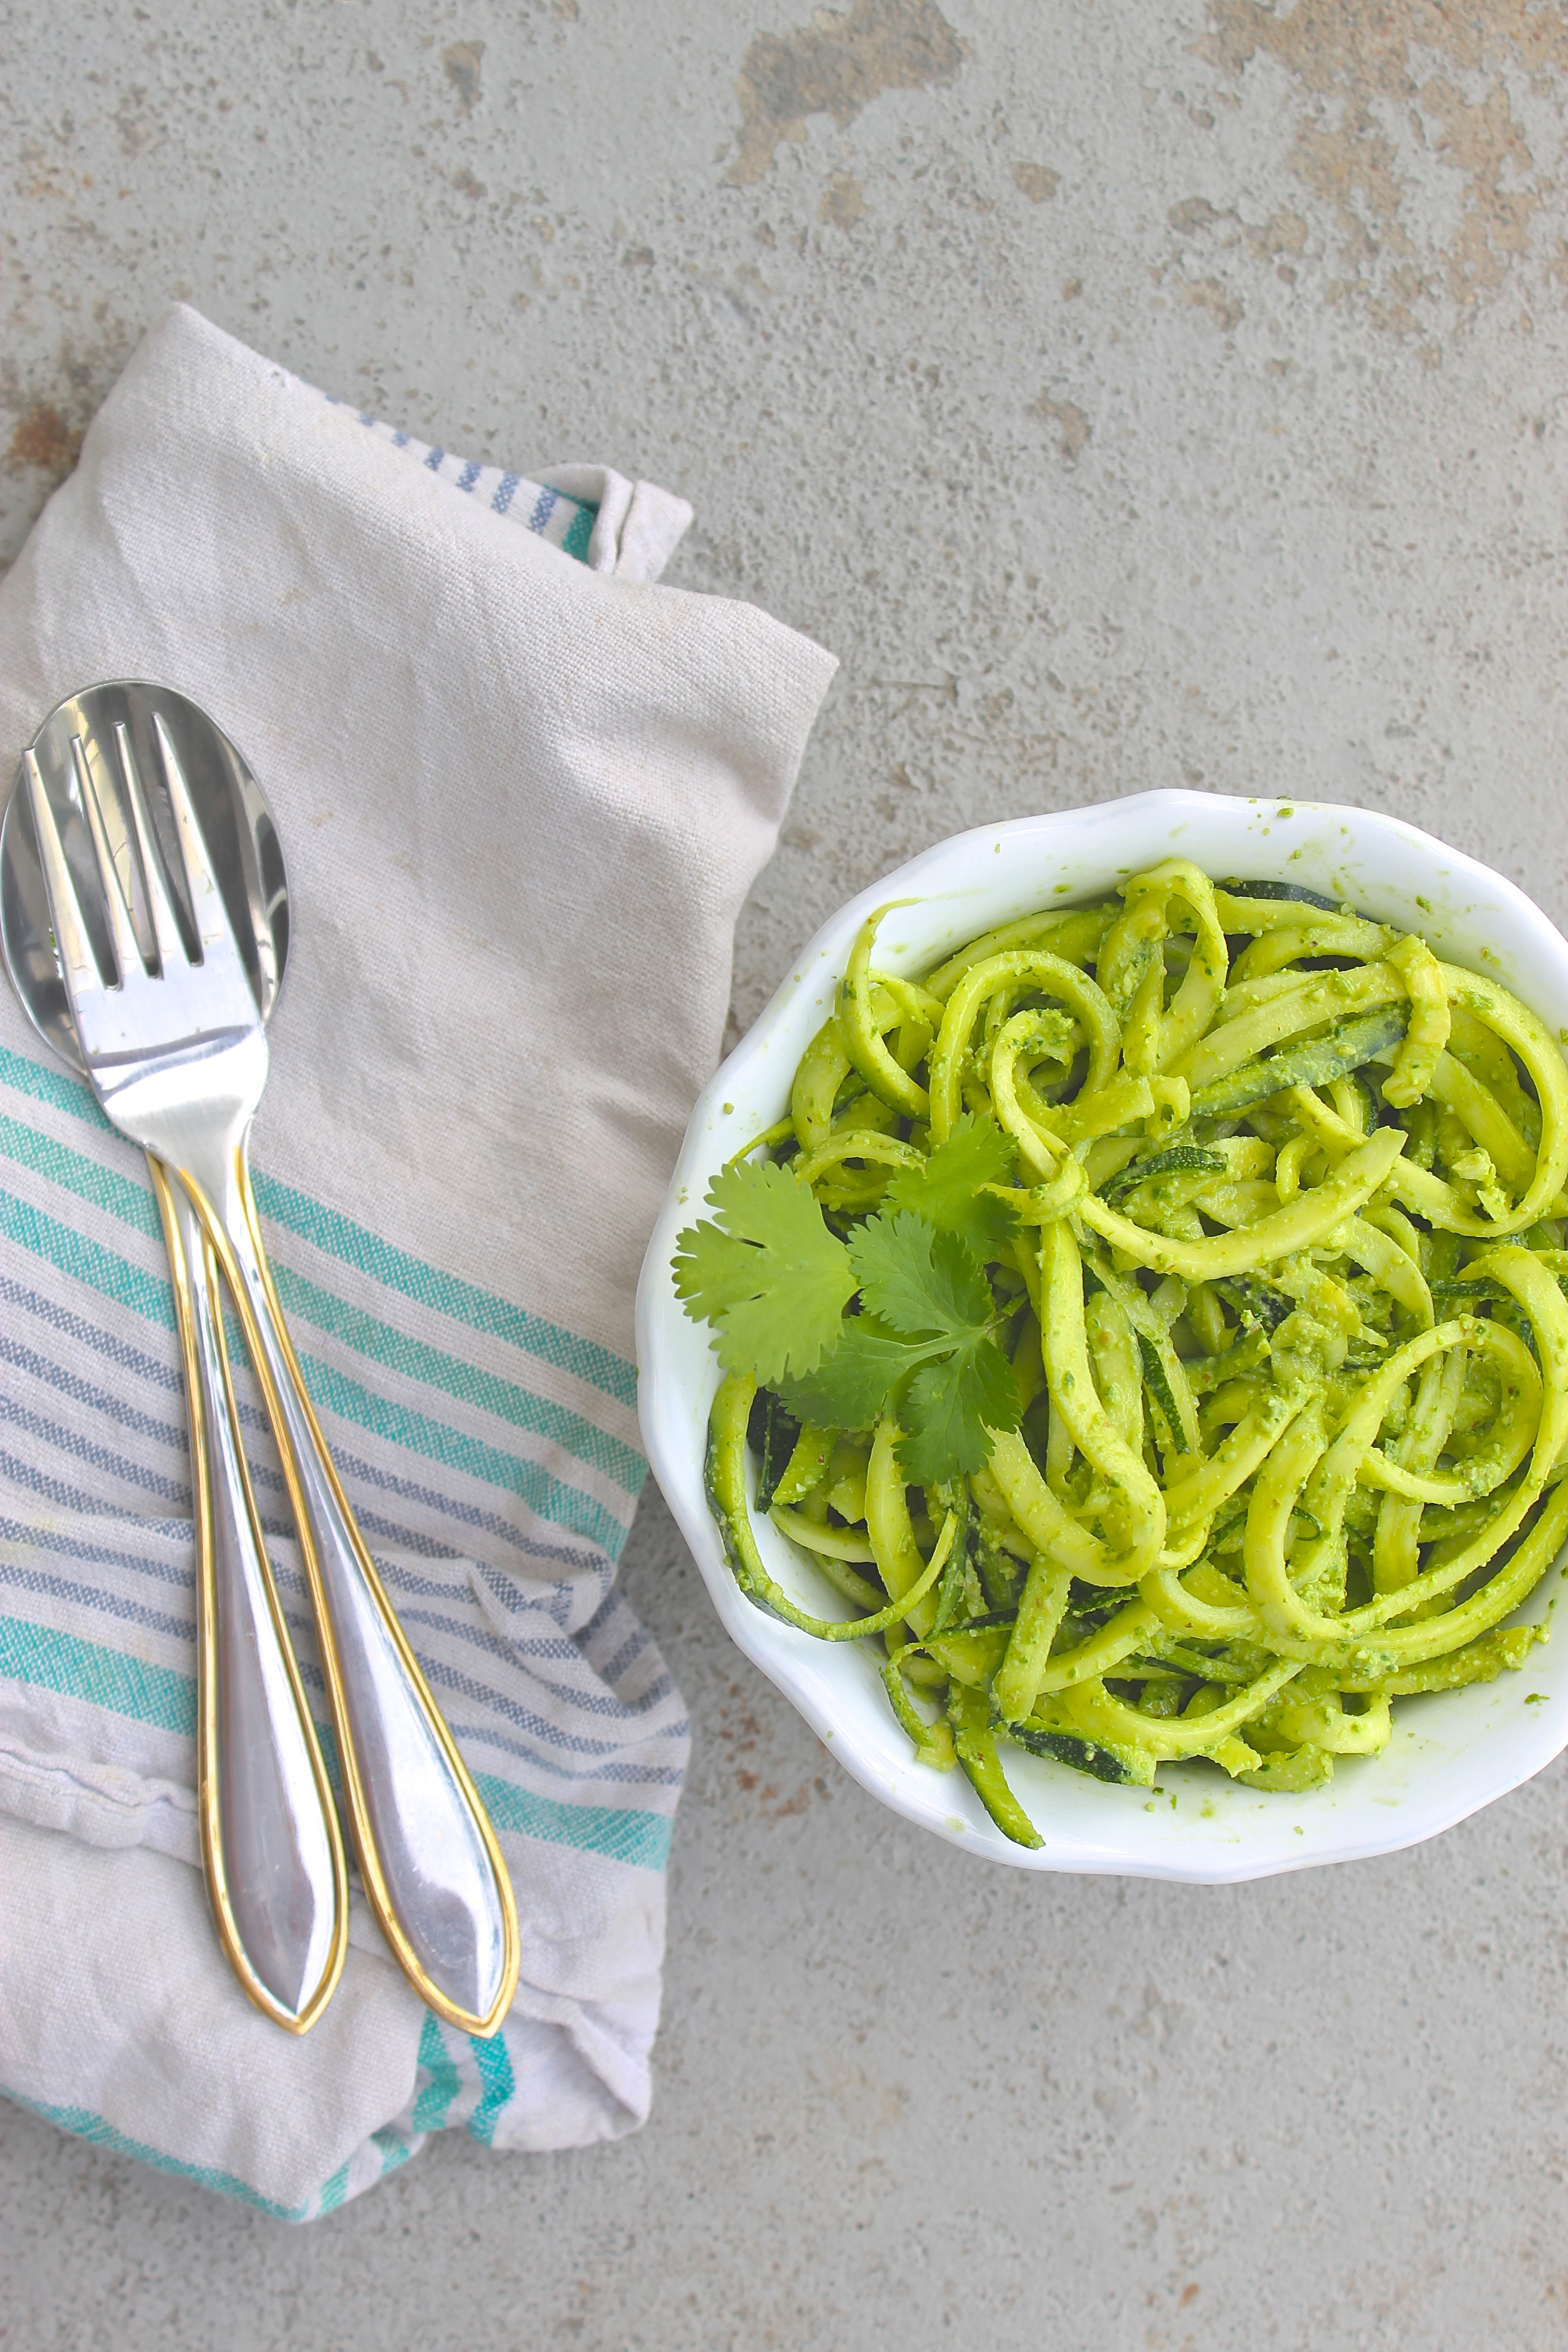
(1284,1295)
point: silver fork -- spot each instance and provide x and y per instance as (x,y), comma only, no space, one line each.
(178,1059)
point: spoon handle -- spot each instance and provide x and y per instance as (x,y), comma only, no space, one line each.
(270,1843)
(432,1870)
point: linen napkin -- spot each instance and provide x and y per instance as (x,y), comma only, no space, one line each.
(523,791)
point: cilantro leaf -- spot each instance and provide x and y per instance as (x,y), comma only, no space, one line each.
(857,1379)
(946,1191)
(919,1280)
(770,1278)
(951,1407)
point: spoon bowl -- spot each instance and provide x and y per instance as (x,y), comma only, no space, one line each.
(236,824)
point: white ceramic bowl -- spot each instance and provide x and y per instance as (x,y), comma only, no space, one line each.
(1451,1752)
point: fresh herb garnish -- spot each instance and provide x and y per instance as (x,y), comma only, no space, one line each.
(770,1278)
(947,1191)
(923,1347)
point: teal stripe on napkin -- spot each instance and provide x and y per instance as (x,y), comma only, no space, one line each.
(86,2126)
(56,1661)
(341,1237)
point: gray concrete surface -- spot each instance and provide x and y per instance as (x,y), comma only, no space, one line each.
(1129,394)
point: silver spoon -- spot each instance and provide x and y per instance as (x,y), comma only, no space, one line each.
(270,1841)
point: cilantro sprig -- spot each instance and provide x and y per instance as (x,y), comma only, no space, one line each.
(773,1282)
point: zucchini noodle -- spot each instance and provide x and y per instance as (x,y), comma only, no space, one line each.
(1283,1290)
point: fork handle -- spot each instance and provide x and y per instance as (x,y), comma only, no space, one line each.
(432,1869)
(270,1843)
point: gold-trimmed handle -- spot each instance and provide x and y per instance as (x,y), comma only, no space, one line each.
(271,1847)
(432,1868)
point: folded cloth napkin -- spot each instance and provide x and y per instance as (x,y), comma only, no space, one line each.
(523,797)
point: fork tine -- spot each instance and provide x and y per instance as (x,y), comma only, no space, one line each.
(122,931)
(82,978)
(166,929)
(213,925)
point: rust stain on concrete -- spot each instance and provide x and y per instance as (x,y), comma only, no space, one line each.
(1384,76)
(843,202)
(1283,231)
(42,441)
(1068,418)
(1195,213)
(837,64)
(1208,295)
(1038,180)
(464,63)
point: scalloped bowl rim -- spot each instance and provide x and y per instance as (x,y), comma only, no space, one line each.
(1452,1752)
